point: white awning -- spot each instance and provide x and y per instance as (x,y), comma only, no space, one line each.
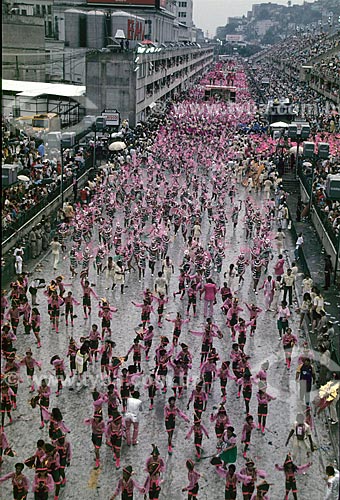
(33,89)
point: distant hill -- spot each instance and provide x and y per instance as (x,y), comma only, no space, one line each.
(268,23)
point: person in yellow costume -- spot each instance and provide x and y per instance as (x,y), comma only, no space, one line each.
(329,396)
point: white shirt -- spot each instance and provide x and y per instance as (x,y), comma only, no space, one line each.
(55,245)
(267,185)
(161,284)
(318,302)
(307,284)
(295,270)
(299,241)
(332,492)
(18,259)
(166,266)
(18,249)
(35,283)
(280,236)
(133,407)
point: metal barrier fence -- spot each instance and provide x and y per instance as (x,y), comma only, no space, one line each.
(305,269)
(8,260)
(307,181)
(29,214)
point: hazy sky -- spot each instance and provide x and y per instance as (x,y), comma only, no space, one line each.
(208,14)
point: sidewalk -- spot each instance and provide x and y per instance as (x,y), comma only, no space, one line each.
(312,262)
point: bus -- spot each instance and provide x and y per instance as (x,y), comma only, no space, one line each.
(48,122)
(41,123)
(222,92)
(280,110)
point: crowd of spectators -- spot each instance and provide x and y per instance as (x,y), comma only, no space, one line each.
(39,174)
(301,49)
(328,209)
(282,64)
(308,104)
(329,66)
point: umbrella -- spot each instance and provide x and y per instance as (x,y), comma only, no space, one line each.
(294,150)
(116,134)
(25,171)
(147,42)
(48,180)
(23,178)
(130,136)
(307,164)
(117,146)
(38,165)
(279,125)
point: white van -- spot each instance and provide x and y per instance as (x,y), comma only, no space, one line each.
(53,140)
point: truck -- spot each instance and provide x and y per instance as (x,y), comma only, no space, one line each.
(333,186)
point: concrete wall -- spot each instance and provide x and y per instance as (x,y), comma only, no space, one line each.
(320,229)
(40,8)
(162,27)
(23,48)
(324,238)
(111,83)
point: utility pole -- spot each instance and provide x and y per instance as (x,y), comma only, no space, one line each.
(62,172)
(17,68)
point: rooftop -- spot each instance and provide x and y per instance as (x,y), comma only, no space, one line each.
(34,89)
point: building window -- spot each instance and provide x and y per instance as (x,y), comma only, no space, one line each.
(182,14)
(49,9)
(37,10)
(82,30)
(56,27)
(182,4)
(43,9)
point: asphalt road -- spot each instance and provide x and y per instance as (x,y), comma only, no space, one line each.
(88,484)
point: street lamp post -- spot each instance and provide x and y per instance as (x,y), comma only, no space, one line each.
(314,160)
(98,126)
(337,259)
(298,142)
(120,37)
(298,132)
(62,172)
(94,146)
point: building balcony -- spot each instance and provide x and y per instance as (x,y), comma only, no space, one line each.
(166,88)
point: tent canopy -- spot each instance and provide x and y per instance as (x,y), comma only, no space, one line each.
(34,89)
(279,125)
